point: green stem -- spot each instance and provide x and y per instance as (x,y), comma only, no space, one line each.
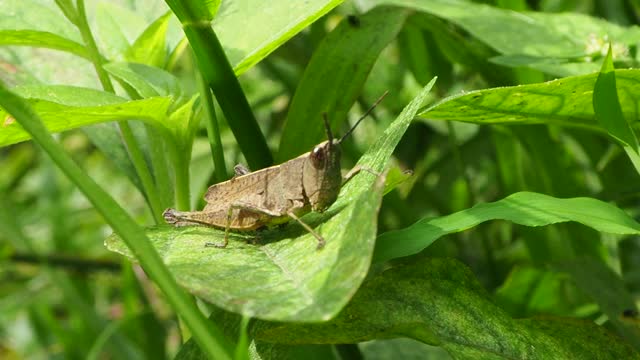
(183,201)
(213,132)
(92,48)
(210,338)
(158,154)
(219,76)
(141,167)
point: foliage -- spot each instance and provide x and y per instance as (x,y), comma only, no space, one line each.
(532,122)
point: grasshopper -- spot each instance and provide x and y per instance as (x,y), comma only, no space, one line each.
(274,195)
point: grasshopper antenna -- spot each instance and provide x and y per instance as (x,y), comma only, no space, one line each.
(327,127)
(364,116)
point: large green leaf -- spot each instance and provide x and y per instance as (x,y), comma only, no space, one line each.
(566,102)
(250,30)
(286,278)
(65,107)
(524,208)
(542,40)
(439,302)
(338,69)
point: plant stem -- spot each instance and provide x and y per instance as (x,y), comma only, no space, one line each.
(183,200)
(219,76)
(92,48)
(213,132)
(139,163)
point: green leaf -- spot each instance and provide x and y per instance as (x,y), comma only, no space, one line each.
(114,39)
(65,107)
(147,80)
(439,302)
(524,208)
(250,30)
(150,47)
(396,177)
(42,39)
(401,348)
(334,78)
(531,34)
(608,112)
(286,278)
(566,102)
(606,106)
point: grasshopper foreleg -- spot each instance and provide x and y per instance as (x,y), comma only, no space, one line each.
(320,239)
(355,171)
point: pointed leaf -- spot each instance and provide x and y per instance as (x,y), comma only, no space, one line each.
(147,80)
(606,105)
(251,30)
(150,47)
(42,39)
(286,278)
(566,102)
(65,107)
(338,69)
(524,208)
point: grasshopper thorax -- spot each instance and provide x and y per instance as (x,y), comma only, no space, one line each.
(321,177)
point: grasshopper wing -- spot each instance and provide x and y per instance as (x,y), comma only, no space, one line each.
(275,189)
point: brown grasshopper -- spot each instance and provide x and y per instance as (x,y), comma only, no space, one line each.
(274,195)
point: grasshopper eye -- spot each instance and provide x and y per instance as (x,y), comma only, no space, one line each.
(317,156)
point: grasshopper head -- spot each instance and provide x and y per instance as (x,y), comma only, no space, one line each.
(321,177)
